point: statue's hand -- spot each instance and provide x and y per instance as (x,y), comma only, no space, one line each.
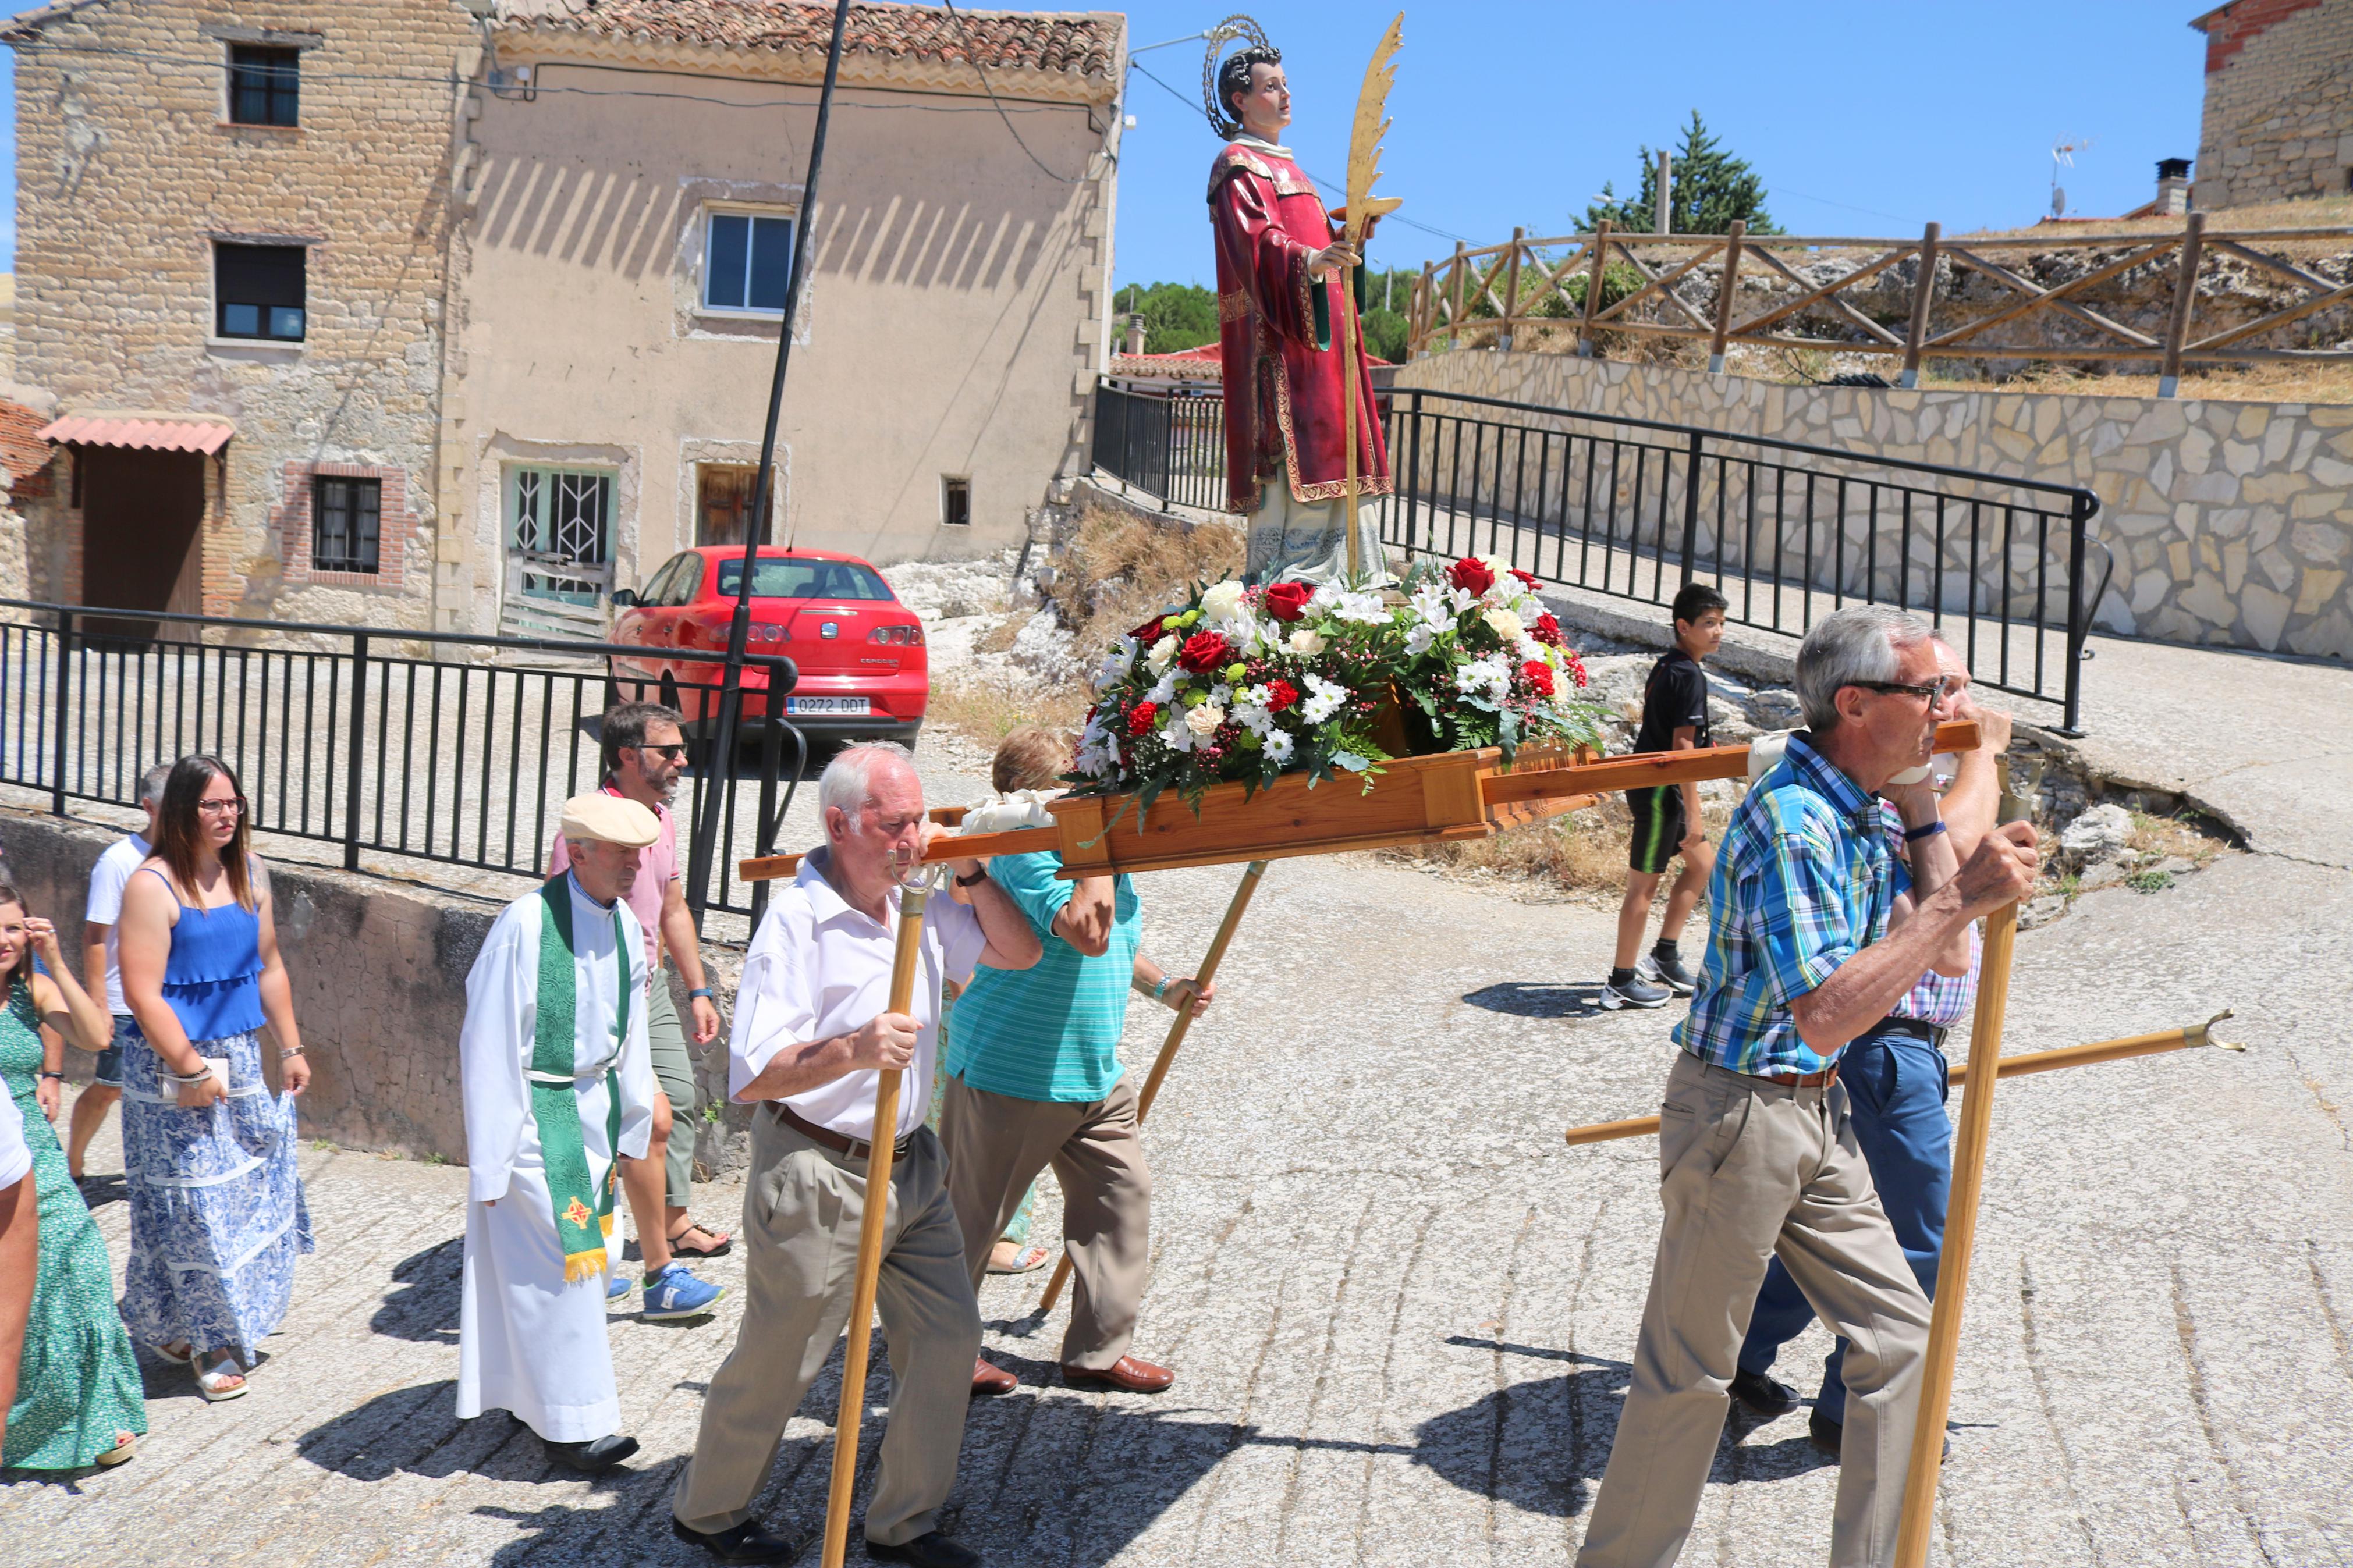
(1339,253)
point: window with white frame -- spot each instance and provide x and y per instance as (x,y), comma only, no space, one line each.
(560,529)
(747,260)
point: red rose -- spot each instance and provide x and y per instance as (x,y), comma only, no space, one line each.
(1287,601)
(1471,575)
(1547,630)
(1527,577)
(1280,695)
(1206,651)
(1538,674)
(1151,631)
(1142,716)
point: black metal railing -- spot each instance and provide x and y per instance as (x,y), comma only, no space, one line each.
(1788,532)
(381,740)
(1169,443)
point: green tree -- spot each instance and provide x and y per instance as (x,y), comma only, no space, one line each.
(1708,189)
(1176,316)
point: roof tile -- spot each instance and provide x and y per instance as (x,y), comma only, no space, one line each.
(1074,42)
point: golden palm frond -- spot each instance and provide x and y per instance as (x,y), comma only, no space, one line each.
(1365,141)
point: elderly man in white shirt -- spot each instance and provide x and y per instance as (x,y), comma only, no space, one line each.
(811,1030)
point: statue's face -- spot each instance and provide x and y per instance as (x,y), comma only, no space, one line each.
(1265,109)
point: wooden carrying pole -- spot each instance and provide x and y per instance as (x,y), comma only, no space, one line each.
(883,1146)
(1960,1235)
(1160,1064)
(2018,1066)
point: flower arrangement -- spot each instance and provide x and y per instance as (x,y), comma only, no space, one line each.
(1241,684)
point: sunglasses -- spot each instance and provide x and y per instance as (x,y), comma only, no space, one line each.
(676,753)
(1935,691)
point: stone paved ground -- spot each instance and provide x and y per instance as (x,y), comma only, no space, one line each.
(1402,1309)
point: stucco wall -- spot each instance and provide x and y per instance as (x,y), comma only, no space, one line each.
(127,169)
(953,326)
(2231,522)
(2278,121)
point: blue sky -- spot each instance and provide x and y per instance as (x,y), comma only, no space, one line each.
(1863,117)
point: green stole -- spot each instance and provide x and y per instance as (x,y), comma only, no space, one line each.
(579,1227)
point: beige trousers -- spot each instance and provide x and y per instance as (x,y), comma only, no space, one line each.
(997,1144)
(1749,1168)
(801,1215)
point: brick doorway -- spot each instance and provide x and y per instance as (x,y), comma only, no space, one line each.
(143,549)
(724,498)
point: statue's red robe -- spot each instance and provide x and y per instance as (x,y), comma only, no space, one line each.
(1284,414)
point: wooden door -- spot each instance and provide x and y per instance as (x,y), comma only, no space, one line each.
(723,500)
(143,547)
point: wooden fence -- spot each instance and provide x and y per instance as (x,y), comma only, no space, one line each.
(1489,297)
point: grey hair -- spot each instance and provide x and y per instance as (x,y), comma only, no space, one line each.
(1851,647)
(847,781)
(151,782)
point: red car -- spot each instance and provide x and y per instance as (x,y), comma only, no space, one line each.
(864,673)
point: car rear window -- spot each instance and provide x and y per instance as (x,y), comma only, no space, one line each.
(804,580)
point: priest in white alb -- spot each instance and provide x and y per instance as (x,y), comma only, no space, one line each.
(556,1080)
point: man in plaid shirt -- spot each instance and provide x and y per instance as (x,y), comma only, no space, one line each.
(1816,933)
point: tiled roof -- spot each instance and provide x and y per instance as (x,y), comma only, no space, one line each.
(1076,43)
(22,450)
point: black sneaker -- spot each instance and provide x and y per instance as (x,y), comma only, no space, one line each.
(1633,991)
(1766,1395)
(1667,969)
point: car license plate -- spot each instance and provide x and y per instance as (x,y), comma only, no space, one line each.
(826,705)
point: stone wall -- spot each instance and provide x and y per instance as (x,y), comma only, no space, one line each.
(128,171)
(2231,523)
(2278,122)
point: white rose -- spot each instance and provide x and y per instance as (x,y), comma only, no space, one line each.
(1222,604)
(1506,624)
(1204,721)
(1310,643)
(1163,654)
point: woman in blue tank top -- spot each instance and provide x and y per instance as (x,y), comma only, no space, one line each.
(216,1210)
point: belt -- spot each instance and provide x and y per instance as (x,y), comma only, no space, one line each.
(1822,1079)
(826,1138)
(1914,1028)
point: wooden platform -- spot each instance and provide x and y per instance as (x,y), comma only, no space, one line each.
(1414,800)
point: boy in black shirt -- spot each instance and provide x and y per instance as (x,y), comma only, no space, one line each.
(1667,819)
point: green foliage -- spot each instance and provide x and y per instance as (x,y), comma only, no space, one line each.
(1175,315)
(1708,188)
(2150,881)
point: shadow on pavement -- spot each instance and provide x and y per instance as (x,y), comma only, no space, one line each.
(417,1429)
(424,1305)
(1520,999)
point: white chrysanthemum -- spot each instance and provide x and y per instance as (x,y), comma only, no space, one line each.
(1504,624)
(1529,648)
(1163,690)
(1279,745)
(1163,654)
(1222,604)
(1204,721)
(1362,609)
(1306,643)
(1489,676)
(1324,697)
(1253,717)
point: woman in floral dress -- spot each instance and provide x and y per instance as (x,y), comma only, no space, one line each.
(216,1210)
(79,1400)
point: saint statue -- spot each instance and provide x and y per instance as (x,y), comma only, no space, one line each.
(1281,323)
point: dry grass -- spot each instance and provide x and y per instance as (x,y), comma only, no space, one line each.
(984,713)
(2316,212)
(2216,384)
(1119,569)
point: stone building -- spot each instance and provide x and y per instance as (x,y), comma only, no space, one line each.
(2279,102)
(462,314)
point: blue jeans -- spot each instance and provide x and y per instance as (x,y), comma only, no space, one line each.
(1895,1087)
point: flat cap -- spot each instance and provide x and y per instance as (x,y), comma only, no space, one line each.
(611,818)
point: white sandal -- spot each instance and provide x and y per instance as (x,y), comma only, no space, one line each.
(213,1382)
(177,1358)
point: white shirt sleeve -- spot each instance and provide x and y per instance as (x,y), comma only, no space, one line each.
(637,1066)
(107,880)
(962,938)
(775,1006)
(501,1014)
(15,1158)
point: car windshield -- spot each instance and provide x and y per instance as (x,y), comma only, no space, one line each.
(783,579)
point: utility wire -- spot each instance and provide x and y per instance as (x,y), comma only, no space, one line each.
(974,63)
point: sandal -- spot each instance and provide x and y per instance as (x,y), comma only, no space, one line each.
(1024,1261)
(180,1357)
(222,1380)
(125,1444)
(720,1245)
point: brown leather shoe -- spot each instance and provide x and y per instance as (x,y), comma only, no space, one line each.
(1127,1374)
(988,1378)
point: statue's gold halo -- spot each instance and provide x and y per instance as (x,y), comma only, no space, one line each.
(1236,26)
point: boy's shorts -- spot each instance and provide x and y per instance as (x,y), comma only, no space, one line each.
(1658,827)
(110,1060)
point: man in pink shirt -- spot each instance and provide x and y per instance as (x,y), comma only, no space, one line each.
(644,748)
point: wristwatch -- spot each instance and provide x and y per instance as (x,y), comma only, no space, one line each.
(975,880)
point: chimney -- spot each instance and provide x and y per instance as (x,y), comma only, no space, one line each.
(2172,186)
(1135,334)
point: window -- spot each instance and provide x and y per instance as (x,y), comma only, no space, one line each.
(956,501)
(265,85)
(678,581)
(747,259)
(562,524)
(782,577)
(345,515)
(259,292)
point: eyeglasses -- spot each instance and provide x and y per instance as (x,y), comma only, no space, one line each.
(230,807)
(1935,690)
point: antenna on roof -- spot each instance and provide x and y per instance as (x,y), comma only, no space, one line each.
(2063,156)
